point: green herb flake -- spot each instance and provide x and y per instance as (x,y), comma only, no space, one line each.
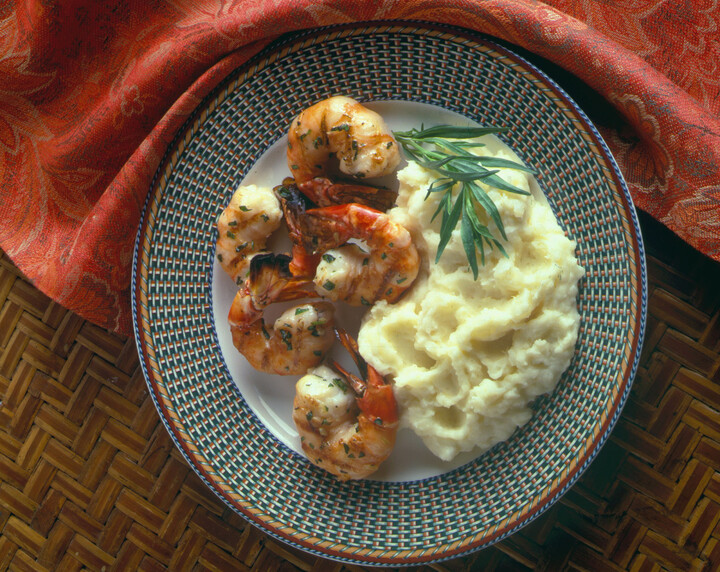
(328,258)
(286,337)
(328,285)
(299,311)
(340,384)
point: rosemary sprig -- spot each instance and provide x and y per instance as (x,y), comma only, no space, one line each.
(445,150)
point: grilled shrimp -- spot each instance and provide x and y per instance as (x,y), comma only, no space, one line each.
(347,424)
(299,338)
(381,268)
(341,127)
(252,215)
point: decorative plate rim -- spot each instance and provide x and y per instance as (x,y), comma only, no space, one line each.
(320,547)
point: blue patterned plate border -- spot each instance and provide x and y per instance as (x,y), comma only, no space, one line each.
(374,522)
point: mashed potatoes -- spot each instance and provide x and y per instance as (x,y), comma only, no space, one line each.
(467,356)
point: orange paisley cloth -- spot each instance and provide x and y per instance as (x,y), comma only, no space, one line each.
(91,94)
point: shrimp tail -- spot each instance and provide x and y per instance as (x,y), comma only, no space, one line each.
(351,346)
(329,227)
(324,193)
(294,206)
(271,281)
(375,397)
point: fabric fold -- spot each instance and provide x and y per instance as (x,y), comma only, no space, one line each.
(93,94)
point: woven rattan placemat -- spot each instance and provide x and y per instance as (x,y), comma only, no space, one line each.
(89,478)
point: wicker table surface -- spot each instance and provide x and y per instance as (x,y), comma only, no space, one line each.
(90,479)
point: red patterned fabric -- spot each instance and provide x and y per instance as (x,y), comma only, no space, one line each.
(92,93)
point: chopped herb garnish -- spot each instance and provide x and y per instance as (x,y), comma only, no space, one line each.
(299,311)
(244,209)
(328,258)
(339,383)
(401,280)
(342,127)
(294,167)
(328,285)
(456,165)
(265,217)
(230,235)
(364,302)
(286,337)
(309,415)
(219,257)
(365,261)
(233,223)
